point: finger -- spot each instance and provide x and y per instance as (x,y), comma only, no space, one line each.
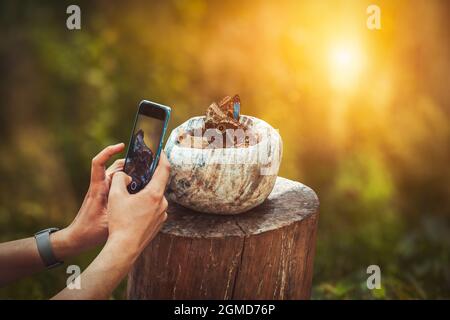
(162,218)
(120,181)
(164,204)
(116,166)
(159,180)
(99,161)
(159,223)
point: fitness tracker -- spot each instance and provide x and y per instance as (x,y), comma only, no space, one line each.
(45,248)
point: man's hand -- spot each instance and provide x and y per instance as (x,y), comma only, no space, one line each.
(90,226)
(136,218)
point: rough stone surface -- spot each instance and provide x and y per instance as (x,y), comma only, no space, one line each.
(223,180)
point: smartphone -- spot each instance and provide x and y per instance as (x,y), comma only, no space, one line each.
(145,145)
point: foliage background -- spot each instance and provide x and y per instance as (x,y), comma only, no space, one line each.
(364,116)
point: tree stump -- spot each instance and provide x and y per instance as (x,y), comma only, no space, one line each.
(266,253)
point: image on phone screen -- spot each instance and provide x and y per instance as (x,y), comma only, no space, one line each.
(144,146)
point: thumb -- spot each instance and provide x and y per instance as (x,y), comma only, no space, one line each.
(120,181)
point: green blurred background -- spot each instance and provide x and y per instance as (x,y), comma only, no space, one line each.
(364,116)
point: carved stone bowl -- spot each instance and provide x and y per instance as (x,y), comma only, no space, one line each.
(223,180)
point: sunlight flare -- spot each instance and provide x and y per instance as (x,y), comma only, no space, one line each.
(346,62)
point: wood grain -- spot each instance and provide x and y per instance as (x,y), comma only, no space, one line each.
(266,253)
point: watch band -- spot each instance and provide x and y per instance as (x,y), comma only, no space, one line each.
(45,248)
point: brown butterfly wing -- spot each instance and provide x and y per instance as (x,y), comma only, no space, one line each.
(220,116)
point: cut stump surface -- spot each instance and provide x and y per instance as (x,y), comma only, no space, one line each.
(265,253)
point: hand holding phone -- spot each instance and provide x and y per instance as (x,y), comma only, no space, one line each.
(146,143)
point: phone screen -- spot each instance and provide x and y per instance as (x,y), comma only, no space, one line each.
(143,151)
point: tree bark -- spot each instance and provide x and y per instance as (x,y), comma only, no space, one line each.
(266,253)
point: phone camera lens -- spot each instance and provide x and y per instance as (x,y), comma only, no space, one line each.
(133,185)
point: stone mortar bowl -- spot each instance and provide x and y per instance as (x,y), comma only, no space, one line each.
(223,181)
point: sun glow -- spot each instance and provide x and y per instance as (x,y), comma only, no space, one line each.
(346,64)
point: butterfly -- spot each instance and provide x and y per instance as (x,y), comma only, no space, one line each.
(224,115)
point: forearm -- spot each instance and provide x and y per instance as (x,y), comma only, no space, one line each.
(20,258)
(104,273)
